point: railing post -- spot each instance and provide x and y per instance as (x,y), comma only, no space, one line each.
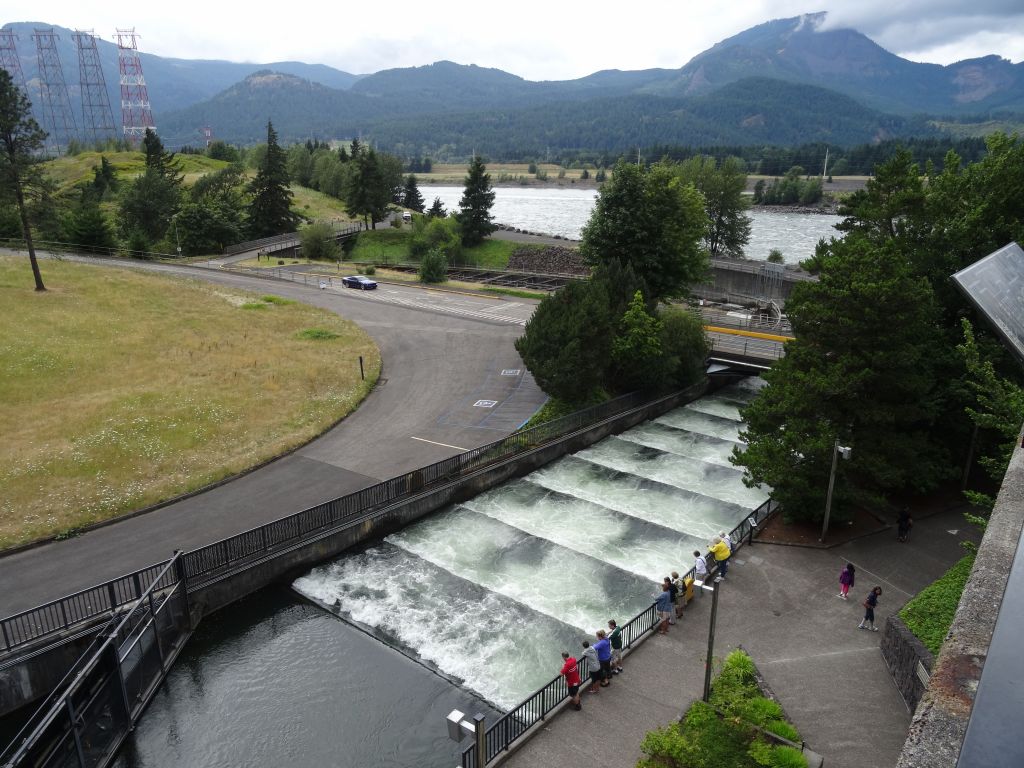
(481,740)
(74,732)
(7,637)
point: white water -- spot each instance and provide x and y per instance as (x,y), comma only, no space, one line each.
(565,210)
(490,591)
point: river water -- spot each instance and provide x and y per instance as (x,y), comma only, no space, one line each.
(468,608)
(564,212)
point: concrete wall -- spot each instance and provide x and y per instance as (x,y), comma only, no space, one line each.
(741,281)
(35,673)
(940,722)
(908,660)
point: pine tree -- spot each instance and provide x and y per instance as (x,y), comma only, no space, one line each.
(475,206)
(21,138)
(270,211)
(437,210)
(411,198)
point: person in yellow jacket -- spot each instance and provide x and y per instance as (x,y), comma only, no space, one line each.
(720,550)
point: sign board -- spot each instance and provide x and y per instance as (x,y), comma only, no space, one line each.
(995,285)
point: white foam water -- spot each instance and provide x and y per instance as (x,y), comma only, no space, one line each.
(563,584)
(713,450)
(701,477)
(490,591)
(499,648)
(666,505)
(628,543)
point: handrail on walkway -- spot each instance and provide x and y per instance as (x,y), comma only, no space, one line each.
(56,617)
(515,723)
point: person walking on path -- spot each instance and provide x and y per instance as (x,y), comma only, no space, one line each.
(868,622)
(615,638)
(604,658)
(721,552)
(846,579)
(673,592)
(903,525)
(571,673)
(680,594)
(700,567)
(590,655)
(663,604)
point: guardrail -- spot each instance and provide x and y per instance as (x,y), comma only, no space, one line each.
(54,618)
(514,724)
(57,246)
(85,719)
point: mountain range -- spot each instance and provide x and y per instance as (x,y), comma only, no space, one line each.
(782,81)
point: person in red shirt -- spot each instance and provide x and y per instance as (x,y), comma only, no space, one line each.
(572,679)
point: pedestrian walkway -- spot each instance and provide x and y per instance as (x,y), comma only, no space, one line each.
(780,604)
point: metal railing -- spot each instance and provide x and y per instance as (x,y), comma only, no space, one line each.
(56,246)
(515,723)
(287,240)
(86,718)
(59,616)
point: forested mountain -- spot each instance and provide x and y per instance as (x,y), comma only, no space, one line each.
(784,81)
(173,84)
(796,50)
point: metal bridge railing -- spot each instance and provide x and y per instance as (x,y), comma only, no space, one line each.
(514,724)
(85,719)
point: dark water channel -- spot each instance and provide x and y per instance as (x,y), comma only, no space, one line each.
(275,681)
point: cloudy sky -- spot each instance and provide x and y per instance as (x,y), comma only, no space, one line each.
(548,40)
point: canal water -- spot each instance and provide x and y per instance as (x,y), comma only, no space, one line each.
(468,608)
(564,212)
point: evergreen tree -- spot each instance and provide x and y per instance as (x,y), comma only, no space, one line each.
(21,139)
(151,201)
(475,206)
(270,211)
(159,159)
(437,210)
(411,197)
(722,186)
(87,227)
(648,218)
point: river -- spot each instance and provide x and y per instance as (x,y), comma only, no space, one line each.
(564,212)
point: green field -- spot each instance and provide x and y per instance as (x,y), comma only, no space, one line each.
(121,389)
(391,246)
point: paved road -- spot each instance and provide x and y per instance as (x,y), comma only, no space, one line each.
(443,354)
(780,604)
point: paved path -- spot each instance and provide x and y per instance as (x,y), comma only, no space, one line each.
(442,355)
(780,604)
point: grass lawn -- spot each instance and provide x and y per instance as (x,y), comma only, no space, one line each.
(70,170)
(390,245)
(121,389)
(929,614)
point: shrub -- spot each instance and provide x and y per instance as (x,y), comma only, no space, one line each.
(433,267)
(370,270)
(775,256)
(270,299)
(930,614)
(318,243)
(783,729)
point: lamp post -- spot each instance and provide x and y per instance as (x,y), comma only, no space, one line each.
(837,451)
(711,632)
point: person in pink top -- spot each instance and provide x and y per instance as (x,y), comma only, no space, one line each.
(846,579)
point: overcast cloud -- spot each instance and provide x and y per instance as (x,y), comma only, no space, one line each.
(536,40)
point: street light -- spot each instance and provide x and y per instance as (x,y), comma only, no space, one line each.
(711,632)
(459,727)
(837,451)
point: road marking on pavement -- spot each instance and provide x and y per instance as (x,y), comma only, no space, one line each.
(485,403)
(444,445)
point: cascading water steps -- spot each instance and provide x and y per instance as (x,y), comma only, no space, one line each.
(490,591)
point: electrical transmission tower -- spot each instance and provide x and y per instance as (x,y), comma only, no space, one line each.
(9,58)
(55,104)
(97,119)
(136,113)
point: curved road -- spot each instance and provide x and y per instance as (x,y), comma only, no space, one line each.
(451,381)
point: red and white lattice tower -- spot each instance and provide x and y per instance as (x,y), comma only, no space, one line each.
(97,118)
(54,102)
(9,58)
(136,113)
(207,132)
